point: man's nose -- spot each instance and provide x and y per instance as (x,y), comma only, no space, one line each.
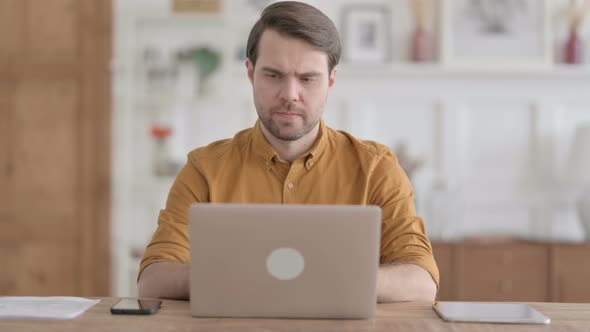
(289,90)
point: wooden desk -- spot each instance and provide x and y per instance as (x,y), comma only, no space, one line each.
(175,316)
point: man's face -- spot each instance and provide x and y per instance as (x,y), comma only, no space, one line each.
(290,84)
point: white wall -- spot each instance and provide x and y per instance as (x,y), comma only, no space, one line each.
(495,143)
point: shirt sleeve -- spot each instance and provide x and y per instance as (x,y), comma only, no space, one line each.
(170,242)
(403,236)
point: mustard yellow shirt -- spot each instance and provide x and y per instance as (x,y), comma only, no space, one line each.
(338,169)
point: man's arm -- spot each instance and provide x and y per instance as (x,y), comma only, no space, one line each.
(164,269)
(404,282)
(166,280)
(408,271)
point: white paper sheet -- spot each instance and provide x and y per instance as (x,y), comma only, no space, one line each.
(24,307)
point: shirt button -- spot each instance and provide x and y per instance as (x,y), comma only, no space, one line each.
(290,185)
(267,163)
(309,163)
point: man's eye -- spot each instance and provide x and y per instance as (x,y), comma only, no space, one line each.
(307,79)
(273,76)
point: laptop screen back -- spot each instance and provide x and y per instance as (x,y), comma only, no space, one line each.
(289,261)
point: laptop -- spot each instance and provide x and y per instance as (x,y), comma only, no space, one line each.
(284,261)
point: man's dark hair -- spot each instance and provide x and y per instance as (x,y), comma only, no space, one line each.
(297,20)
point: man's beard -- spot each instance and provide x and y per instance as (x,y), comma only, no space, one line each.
(282,132)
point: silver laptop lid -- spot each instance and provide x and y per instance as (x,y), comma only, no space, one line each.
(290,261)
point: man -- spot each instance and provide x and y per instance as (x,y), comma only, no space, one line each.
(289,157)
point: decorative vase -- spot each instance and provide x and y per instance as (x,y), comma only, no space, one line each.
(420,45)
(163,163)
(573,48)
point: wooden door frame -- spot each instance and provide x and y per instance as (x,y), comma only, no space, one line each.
(95,153)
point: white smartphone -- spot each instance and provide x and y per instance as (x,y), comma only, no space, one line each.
(489,312)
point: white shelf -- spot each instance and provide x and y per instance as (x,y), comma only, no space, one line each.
(438,71)
(442,72)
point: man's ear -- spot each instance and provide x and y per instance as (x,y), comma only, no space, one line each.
(332,78)
(250,68)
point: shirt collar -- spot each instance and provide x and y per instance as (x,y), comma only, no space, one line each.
(320,144)
(261,145)
(264,149)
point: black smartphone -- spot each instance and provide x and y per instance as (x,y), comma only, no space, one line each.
(136,307)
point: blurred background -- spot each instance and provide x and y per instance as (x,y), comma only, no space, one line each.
(485,102)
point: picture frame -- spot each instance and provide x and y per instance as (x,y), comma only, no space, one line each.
(366,34)
(496,34)
(196,6)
